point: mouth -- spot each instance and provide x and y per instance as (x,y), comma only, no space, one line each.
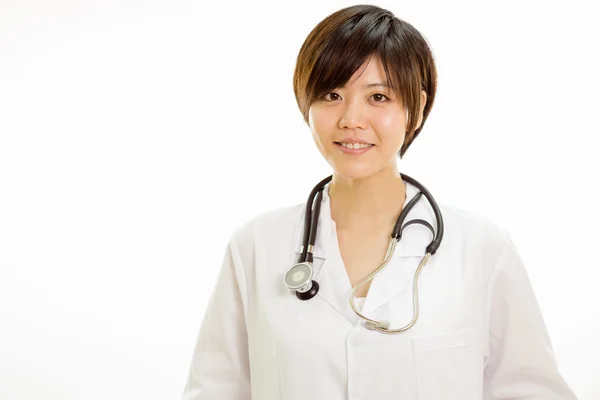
(352,149)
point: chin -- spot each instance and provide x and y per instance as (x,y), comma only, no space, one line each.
(354,172)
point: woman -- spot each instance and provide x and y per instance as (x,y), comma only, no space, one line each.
(364,76)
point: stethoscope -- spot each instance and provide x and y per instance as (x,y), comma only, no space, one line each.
(299,277)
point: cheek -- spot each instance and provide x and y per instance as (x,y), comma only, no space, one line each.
(391,121)
(390,127)
(320,124)
(318,118)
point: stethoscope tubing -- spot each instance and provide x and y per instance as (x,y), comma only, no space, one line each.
(311,218)
(305,260)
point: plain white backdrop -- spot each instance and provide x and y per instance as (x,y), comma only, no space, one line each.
(136,136)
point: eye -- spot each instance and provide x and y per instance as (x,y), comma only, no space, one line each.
(379,95)
(328,98)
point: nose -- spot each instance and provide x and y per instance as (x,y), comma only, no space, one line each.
(353,116)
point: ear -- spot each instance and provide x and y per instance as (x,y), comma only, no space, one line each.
(423,102)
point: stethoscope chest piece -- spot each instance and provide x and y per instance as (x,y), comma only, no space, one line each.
(299,278)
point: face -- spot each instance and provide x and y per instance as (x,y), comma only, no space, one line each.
(360,111)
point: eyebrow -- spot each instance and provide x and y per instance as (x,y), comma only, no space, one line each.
(375,84)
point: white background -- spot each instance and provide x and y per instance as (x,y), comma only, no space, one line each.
(136,136)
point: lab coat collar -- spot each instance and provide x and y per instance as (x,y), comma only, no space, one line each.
(415,237)
(329,270)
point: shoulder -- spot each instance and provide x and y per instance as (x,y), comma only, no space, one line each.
(471,221)
(279,222)
(476,229)
(477,241)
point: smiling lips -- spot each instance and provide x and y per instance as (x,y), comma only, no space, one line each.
(353,148)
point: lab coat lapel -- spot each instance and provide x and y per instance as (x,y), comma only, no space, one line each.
(396,278)
(328,268)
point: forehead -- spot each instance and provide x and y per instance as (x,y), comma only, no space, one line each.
(370,74)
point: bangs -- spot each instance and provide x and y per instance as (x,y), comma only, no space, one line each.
(346,50)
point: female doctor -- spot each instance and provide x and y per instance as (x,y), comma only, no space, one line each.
(329,299)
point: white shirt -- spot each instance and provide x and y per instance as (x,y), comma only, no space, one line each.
(480,333)
(359,301)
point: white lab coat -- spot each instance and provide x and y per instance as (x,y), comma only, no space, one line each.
(480,333)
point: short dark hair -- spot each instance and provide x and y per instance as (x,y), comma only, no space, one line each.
(344,40)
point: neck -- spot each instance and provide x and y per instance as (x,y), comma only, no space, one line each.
(371,203)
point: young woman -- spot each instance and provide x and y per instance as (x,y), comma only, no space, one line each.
(375,306)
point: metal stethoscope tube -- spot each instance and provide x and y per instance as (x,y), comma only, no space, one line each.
(382,326)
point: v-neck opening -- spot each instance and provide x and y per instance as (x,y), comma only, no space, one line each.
(348,282)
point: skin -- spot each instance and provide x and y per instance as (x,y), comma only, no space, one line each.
(366,192)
